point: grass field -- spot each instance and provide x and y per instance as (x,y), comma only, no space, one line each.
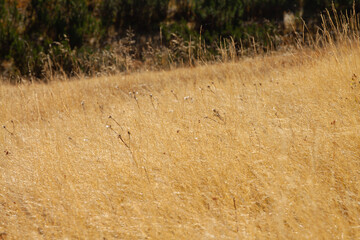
(263,148)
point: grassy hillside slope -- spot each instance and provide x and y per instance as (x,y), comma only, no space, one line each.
(267,148)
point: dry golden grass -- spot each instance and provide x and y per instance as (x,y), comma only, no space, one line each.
(264,148)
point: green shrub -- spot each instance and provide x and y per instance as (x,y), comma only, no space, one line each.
(314,7)
(82,36)
(10,31)
(52,19)
(45,36)
(143,16)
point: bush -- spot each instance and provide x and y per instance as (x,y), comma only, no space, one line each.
(52,19)
(312,8)
(218,17)
(11,44)
(143,16)
(77,36)
(44,36)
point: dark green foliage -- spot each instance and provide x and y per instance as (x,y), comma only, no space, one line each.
(10,28)
(53,19)
(269,9)
(315,6)
(218,17)
(141,15)
(73,36)
(45,34)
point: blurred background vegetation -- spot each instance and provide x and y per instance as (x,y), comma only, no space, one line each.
(40,39)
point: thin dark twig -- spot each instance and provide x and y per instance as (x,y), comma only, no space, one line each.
(152,101)
(13,124)
(110,117)
(129,138)
(7,130)
(126,145)
(119,136)
(137,102)
(172,91)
